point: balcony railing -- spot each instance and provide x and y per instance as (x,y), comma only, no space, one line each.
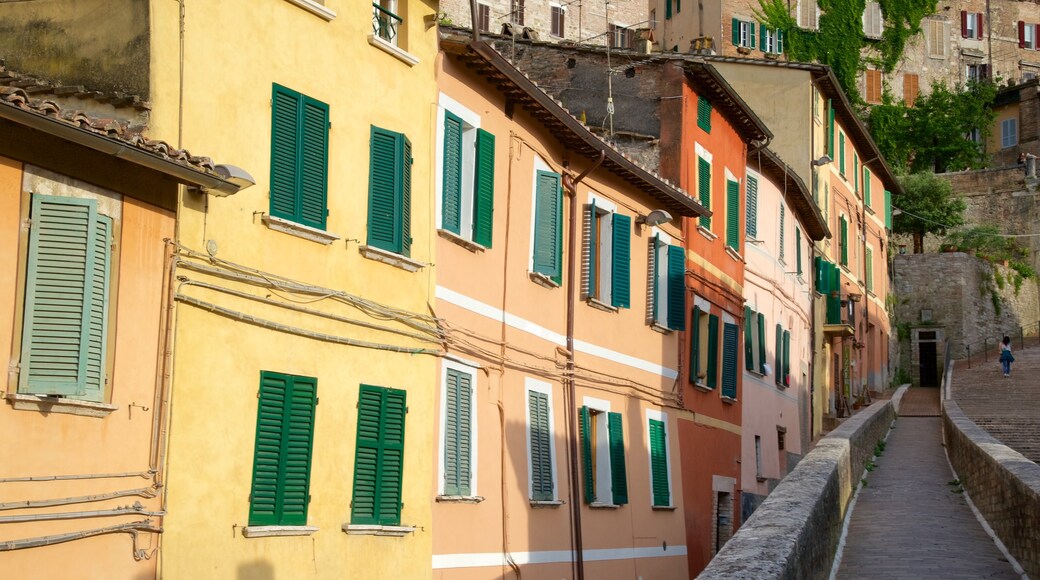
(385,23)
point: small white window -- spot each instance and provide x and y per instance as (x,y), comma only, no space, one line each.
(747,34)
(1008,133)
(556,27)
(971,24)
(873,25)
(1029,36)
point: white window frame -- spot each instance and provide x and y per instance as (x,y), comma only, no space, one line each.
(469,368)
(605,250)
(661,266)
(534,385)
(769,37)
(470,124)
(745,33)
(661,416)
(808,10)
(972,25)
(1029,36)
(1008,133)
(555,9)
(604,480)
(873,21)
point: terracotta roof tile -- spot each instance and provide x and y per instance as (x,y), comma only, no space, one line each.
(34,85)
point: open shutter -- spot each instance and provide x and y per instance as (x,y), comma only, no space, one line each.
(733,215)
(667,9)
(855,172)
(866,186)
(779,41)
(888,209)
(830,129)
(778,355)
(405,197)
(781,232)
(384,185)
(695,344)
(618,476)
(713,351)
(844,241)
(589,283)
(548,226)
(704,114)
(620,261)
(659,464)
(761,343)
(452,183)
(787,358)
(484,190)
(676,288)
(841,154)
(1021,34)
(285,154)
(704,189)
(314,156)
(798,250)
(751,35)
(964,24)
(541,452)
(97,321)
(736,32)
(869,269)
(457,434)
(752,207)
(588,480)
(729,360)
(749,353)
(978,26)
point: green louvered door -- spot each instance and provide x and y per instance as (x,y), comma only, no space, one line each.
(704,189)
(749,352)
(282,455)
(451,184)
(752,207)
(548,226)
(733,215)
(390,192)
(484,190)
(621,256)
(378,464)
(729,360)
(713,351)
(299,157)
(618,474)
(541,451)
(458,434)
(676,288)
(659,464)
(584,435)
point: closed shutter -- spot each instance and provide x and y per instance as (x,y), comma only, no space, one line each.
(659,464)
(778,355)
(667,9)
(695,344)
(749,353)
(798,250)
(713,351)
(457,434)
(541,452)
(729,360)
(547,226)
(588,477)
(620,266)
(733,215)
(676,288)
(704,188)
(618,475)
(761,343)
(787,358)
(844,241)
(869,267)
(834,297)
(704,114)
(282,455)
(484,191)
(452,182)
(752,207)
(299,157)
(285,167)
(888,209)
(384,188)
(379,461)
(314,158)
(855,172)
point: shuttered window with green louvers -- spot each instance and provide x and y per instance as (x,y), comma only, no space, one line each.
(733,215)
(866,187)
(65,326)
(704,114)
(713,351)
(676,288)
(844,240)
(752,207)
(798,251)
(299,157)
(869,269)
(749,333)
(660,487)
(280,491)
(591,422)
(778,355)
(588,450)
(458,436)
(379,459)
(484,190)
(618,473)
(620,261)
(761,343)
(704,189)
(451,215)
(729,360)
(540,447)
(548,226)
(390,192)
(468,180)
(780,230)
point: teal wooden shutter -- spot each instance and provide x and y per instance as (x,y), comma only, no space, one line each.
(695,344)
(659,464)
(379,460)
(855,172)
(761,343)
(618,475)
(620,266)
(299,157)
(405,197)
(752,207)
(285,154)
(749,352)
(751,35)
(451,184)
(704,189)
(844,241)
(818,273)
(484,191)
(384,189)
(781,249)
(869,269)
(282,455)
(457,434)
(888,209)
(541,451)
(866,186)
(798,250)
(676,288)
(830,129)
(736,32)
(787,358)
(704,114)
(97,321)
(588,478)
(590,282)
(778,355)
(314,159)
(733,215)
(713,351)
(779,41)
(667,9)
(547,226)
(678,6)
(841,153)
(729,360)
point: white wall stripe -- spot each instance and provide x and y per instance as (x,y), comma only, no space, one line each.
(489,559)
(529,327)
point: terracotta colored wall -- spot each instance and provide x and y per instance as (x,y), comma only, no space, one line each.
(708,451)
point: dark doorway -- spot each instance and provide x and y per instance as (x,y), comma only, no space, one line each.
(929,364)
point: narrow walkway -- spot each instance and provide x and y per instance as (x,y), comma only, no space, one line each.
(911,521)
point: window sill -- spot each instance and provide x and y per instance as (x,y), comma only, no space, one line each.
(729,400)
(457,239)
(272,531)
(703,387)
(663,508)
(396,260)
(781,386)
(299,230)
(542,280)
(659,328)
(743,50)
(601,305)
(315,9)
(44,404)
(375,530)
(733,254)
(761,479)
(459,498)
(541,504)
(772,55)
(758,374)
(392,50)
(596,505)
(706,233)
(870,210)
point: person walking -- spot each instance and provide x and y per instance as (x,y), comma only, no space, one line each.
(1005,356)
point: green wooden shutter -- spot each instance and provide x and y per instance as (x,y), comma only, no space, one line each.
(888,209)
(588,478)
(667,9)
(676,288)
(787,358)
(314,160)
(618,475)
(749,352)
(704,188)
(752,207)
(299,157)
(844,241)
(736,32)
(704,114)
(282,455)
(761,343)
(778,355)
(379,461)
(855,172)
(818,273)
(779,41)
(547,226)
(798,250)
(620,266)
(659,464)
(830,129)
(97,321)
(733,215)
(384,218)
(729,360)
(285,154)
(751,35)
(783,212)
(695,344)
(541,451)
(451,185)
(678,6)
(457,434)
(405,197)
(866,186)
(590,230)
(841,153)
(484,191)
(869,269)
(713,351)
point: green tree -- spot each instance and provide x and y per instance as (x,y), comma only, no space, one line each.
(927,206)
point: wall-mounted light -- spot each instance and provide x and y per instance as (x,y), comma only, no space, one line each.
(824,160)
(654,218)
(235,175)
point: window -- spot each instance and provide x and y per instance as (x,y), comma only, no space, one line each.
(781,436)
(667,9)
(782,356)
(751,192)
(280,491)
(608,255)
(975,136)
(704,114)
(704,348)
(873,22)
(910,89)
(798,251)
(299,157)
(744,33)
(866,187)
(516,12)
(704,188)
(602,455)
(971,25)
(541,452)
(758,457)
(467,158)
(379,460)
(976,72)
(781,246)
(668,281)
(484,17)
(869,269)
(843,241)
(873,86)
(830,129)
(653,19)
(733,214)
(808,15)
(68,283)
(458,432)
(855,172)
(888,209)
(385,20)
(621,37)
(660,481)
(547,259)
(772,40)
(936,38)
(841,154)
(390,192)
(729,360)
(754,341)
(556,26)
(1008,133)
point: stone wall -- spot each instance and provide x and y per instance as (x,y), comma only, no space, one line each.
(794,533)
(584,22)
(1003,485)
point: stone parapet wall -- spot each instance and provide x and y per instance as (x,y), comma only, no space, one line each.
(1002,483)
(794,533)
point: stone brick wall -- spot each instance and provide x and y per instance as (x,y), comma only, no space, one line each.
(794,533)
(1003,485)
(585,21)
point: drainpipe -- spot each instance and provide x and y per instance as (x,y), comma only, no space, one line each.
(473,20)
(570,186)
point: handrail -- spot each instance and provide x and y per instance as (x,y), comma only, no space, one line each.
(387,12)
(385,23)
(1018,337)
